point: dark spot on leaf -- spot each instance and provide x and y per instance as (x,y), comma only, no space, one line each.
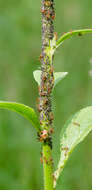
(79,34)
(77,124)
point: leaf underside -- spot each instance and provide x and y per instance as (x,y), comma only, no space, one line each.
(26,111)
(73,132)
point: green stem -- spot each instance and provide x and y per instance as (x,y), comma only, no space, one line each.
(68,35)
(47,167)
(45,90)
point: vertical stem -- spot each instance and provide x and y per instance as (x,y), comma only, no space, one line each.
(48,168)
(47,77)
(45,89)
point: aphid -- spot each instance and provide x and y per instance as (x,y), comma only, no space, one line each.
(47,3)
(64,32)
(48,15)
(44,134)
(51,159)
(43,85)
(75,123)
(43,11)
(44,77)
(44,93)
(51,69)
(45,101)
(66,153)
(49,90)
(46,161)
(66,150)
(50,141)
(41,153)
(51,116)
(41,160)
(53,16)
(55,35)
(40,122)
(38,137)
(40,57)
(54,178)
(39,89)
(38,107)
(51,81)
(51,131)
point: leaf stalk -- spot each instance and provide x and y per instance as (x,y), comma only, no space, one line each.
(68,35)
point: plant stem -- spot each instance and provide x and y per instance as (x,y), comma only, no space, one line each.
(47,77)
(47,167)
(45,90)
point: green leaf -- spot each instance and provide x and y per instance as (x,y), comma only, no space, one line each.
(26,111)
(58,76)
(37,76)
(74,131)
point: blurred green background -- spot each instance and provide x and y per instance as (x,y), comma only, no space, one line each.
(20,47)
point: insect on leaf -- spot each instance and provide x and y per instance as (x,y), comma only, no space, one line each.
(58,76)
(26,111)
(73,132)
